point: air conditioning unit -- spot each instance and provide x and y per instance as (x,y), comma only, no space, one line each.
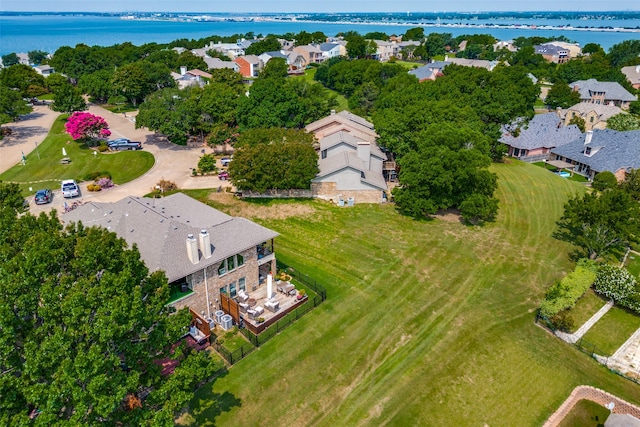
(218,317)
(227,322)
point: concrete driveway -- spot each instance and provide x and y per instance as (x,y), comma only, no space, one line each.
(172,162)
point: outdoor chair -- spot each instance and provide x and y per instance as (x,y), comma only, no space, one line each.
(242,296)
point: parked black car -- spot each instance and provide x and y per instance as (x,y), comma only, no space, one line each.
(43,196)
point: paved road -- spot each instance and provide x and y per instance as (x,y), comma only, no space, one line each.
(172,162)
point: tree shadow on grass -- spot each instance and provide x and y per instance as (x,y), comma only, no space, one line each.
(208,404)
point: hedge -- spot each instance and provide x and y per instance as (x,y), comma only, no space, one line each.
(563,295)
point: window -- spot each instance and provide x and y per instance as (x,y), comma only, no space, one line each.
(223,290)
(591,120)
(242,284)
(240,260)
(232,289)
(587,151)
(231,263)
(222,269)
(324,154)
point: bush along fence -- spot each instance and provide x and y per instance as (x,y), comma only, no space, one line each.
(255,341)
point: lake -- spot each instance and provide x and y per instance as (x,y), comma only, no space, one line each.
(49,32)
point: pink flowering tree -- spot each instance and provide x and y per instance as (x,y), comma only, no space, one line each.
(86,126)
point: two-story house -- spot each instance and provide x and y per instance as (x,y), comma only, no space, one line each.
(205,253)
(605,93)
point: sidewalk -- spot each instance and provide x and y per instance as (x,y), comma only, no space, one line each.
(172,162)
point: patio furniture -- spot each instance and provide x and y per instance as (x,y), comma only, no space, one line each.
(243,307)
(251,302)
(286,288)
(272,306)
(242,296)
(254,313)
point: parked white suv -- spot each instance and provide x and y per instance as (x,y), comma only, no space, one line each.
(70,188)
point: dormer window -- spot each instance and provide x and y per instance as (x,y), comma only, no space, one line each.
(587,151)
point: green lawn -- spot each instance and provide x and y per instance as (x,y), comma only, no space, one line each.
(586,414)
(44,163)
(408,64)
(586,307)
(426,323)
(610,332)
(633,264)
(343,103)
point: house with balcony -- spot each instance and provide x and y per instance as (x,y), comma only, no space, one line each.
(602,150)
(208,256)
(249,65)
(352,166)
(553,53)
(311,53)
(605,93)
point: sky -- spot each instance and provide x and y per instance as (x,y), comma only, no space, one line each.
(212,6)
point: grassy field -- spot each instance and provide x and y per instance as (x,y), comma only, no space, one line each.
(426,322)
(586,414)
(343,103)
(44,163)
(610,332)
(633,264)
(586,307)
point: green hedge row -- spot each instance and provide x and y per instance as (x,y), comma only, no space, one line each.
(564,294)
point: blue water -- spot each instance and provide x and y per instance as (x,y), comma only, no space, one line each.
(49,32)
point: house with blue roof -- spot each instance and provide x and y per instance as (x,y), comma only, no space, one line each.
(602,150)
(533,141)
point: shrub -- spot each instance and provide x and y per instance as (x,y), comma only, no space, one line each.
(604,180)
(166,185)
(618,284)
(207,163)
(563,295)
(104,182)
(94,187)
(562,321)
(103,148)
(95,175)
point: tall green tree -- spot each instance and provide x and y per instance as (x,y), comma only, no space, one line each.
(67,99)
(623,122)
(275,158)
(416,33)
(37,56)
(10,59)
(132,82)
(81,322)
(561,95)
(12,105)
(97,85)
(23,78)
(598,224)
(269,44)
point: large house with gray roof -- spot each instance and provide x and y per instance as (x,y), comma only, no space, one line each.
(606,93)
(602,150)
(533,141)
(595,116)
(204,252)
(351,163)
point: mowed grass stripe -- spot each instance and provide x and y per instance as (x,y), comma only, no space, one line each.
(427,323)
